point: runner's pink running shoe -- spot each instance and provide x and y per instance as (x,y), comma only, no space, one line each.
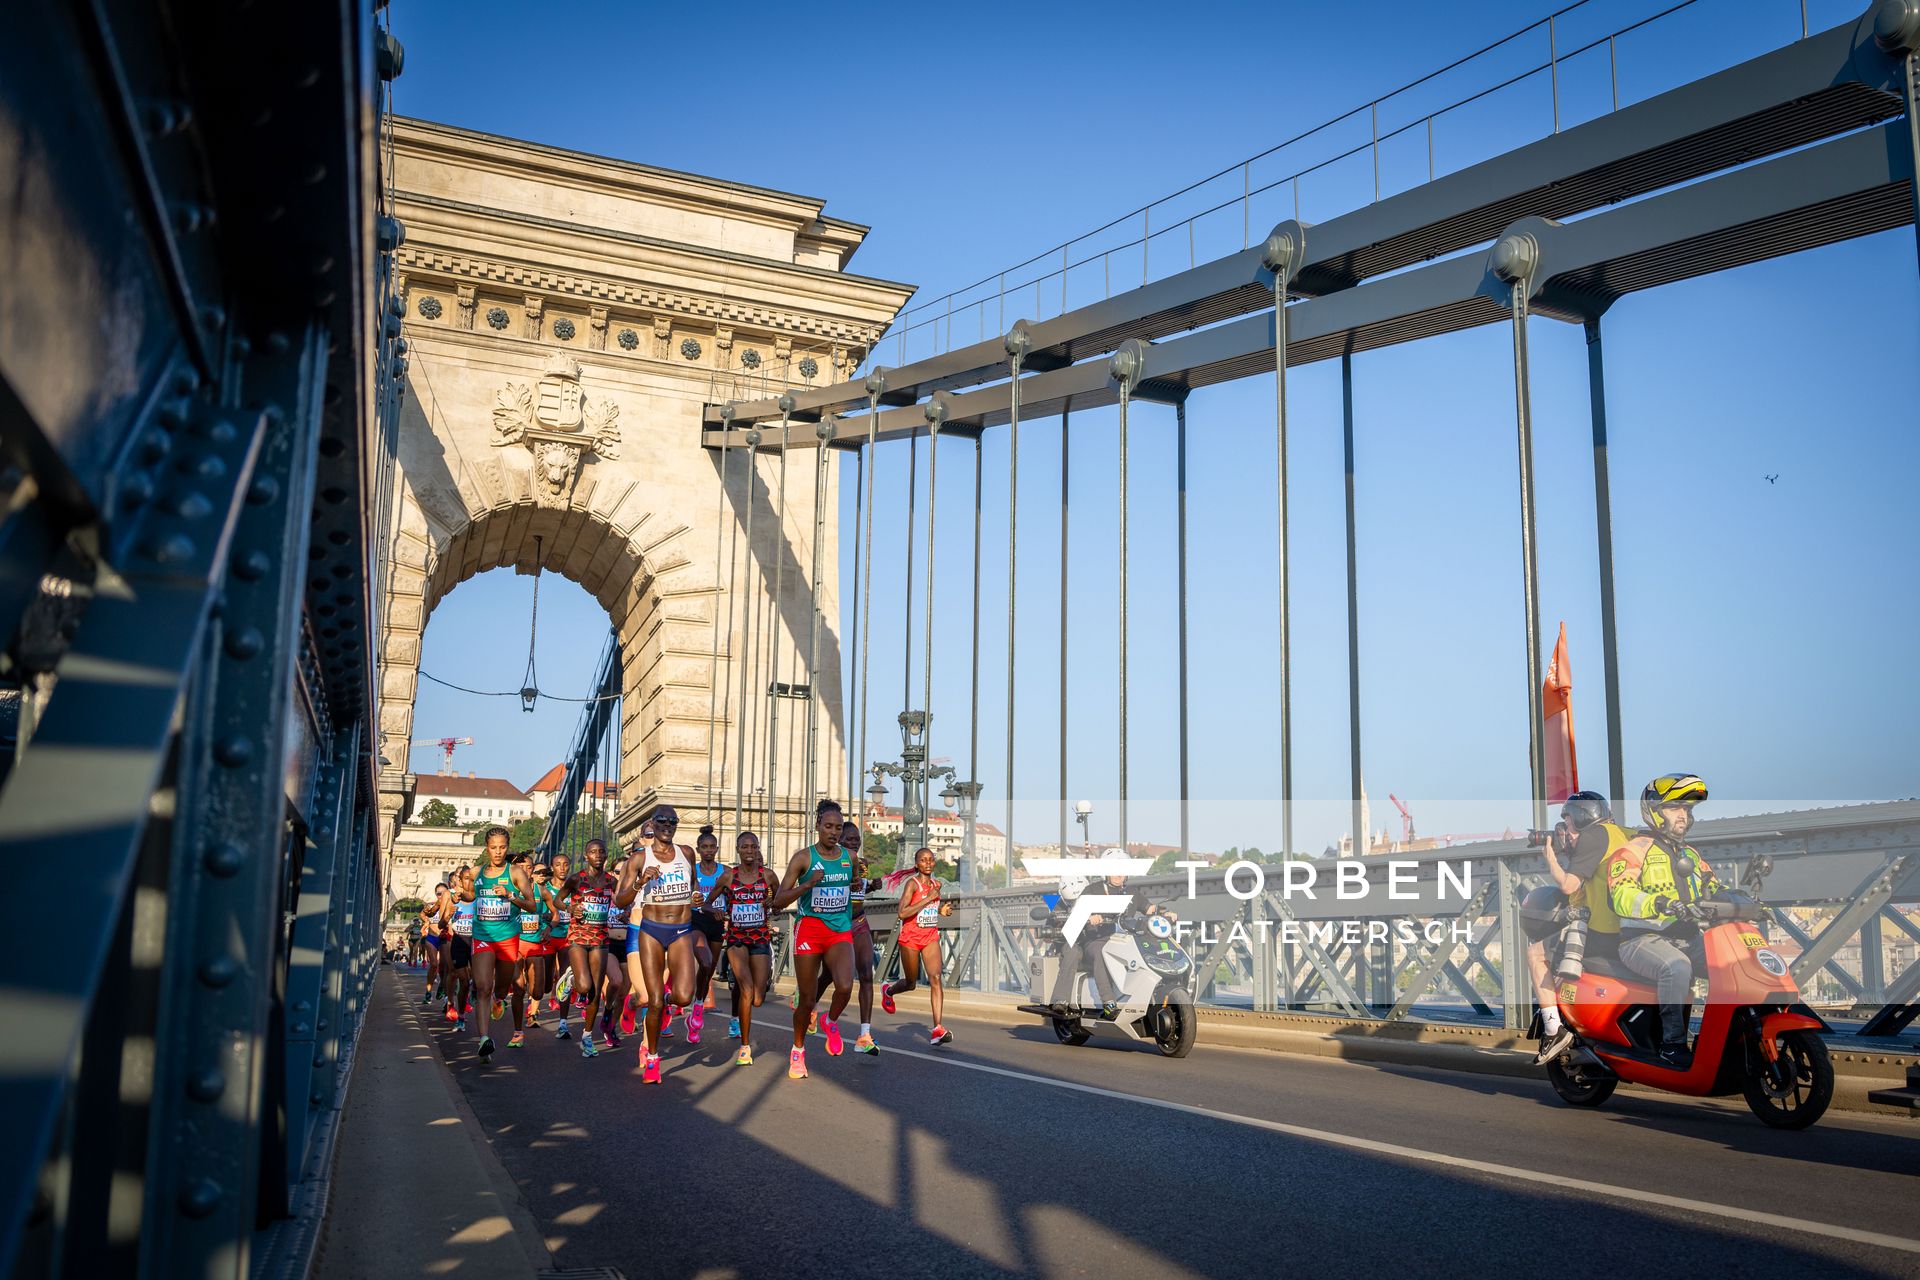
(696,1018)
(833,1036)
(626,1017)
(886,1000)
(796,1064)
(652,1073)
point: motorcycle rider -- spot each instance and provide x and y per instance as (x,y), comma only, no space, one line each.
(1089,949)
(1653,882)
(1581,842)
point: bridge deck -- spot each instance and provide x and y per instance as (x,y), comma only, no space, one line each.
(1008,1154)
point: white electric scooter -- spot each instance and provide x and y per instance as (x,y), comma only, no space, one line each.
(1153,974)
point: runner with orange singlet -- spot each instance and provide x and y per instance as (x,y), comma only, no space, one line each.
(920,912)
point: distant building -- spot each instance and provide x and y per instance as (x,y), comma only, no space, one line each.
(944,833)
(474,799)
(599,796)
(423,857)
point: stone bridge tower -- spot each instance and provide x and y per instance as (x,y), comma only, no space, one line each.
(567,317)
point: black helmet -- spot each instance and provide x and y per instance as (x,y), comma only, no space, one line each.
(1584,808)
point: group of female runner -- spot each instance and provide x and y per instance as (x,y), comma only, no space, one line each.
(643,939)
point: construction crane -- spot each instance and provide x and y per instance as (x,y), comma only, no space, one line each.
(446,746)
(1406,819)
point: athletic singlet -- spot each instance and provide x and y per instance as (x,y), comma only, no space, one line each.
(495,918)
(927,917)
(673,886)
(857,892)
(705,882)
(562,916)
(827,901)
(463,920)
(747,902)
(595,905)
(533,924)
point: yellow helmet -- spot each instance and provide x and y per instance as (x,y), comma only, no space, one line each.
(1669,789)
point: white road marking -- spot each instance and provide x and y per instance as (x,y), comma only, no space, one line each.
(1706,1208)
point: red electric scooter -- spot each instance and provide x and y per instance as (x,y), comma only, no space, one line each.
(1756,1038)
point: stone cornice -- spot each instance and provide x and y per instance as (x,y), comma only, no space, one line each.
(491,152)
(417,259)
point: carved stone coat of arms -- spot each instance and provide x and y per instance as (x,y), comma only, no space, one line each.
(558,425)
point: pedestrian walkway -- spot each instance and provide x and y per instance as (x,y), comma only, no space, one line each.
(417,1189)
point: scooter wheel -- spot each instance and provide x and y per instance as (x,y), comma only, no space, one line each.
(1176,1025)
(1070,1031)
(1802,1101)
(1579,1090)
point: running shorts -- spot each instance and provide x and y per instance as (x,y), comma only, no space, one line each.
(711,929)
(816,937)
(917,937)
(460,952)
(507,949)
(582,934)
(664,934)
(752,948)
(432,940)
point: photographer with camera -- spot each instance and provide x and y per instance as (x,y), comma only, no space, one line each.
(1575,851)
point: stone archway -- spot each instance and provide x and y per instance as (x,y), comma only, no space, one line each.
(567,320)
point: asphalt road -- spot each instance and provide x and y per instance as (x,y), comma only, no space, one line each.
(1006,1153)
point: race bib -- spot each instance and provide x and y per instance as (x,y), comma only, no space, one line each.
(562,918)
(616,919)
(672,887)
(494,910)
(529,922)
(829,898)
(463,924)
(749,914)
(593,910)
(929,916)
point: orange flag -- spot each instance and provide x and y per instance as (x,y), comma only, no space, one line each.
(1563,767)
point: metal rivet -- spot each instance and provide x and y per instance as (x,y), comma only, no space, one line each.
(214,317)
(222,432)
(252,566)
(263,491)
(234,752)
(315,175)
(171,549)
(303,1006)
(206,1086)
(245,643)
(136,490)
(225,859)
(219,971)
(193,506)
(200,1197)
(156,443)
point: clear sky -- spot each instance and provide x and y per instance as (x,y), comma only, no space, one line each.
(1766,627)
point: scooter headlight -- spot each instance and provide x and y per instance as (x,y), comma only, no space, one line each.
(1771,962)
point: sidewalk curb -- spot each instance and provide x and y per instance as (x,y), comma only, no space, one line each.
(525,1230)
(1485,1050)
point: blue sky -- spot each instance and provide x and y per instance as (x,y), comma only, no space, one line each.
(1764,629)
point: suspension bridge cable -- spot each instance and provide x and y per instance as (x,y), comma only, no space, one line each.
(774,619)
(876,382)
(749,637)
(713,662)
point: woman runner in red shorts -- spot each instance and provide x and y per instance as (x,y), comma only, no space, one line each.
(920,912)
(748,888)
(587,895)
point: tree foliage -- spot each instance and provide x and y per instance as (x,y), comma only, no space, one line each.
(438,813)
(407,907)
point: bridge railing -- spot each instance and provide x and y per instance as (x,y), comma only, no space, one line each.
(1838,881)
(1552,74)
